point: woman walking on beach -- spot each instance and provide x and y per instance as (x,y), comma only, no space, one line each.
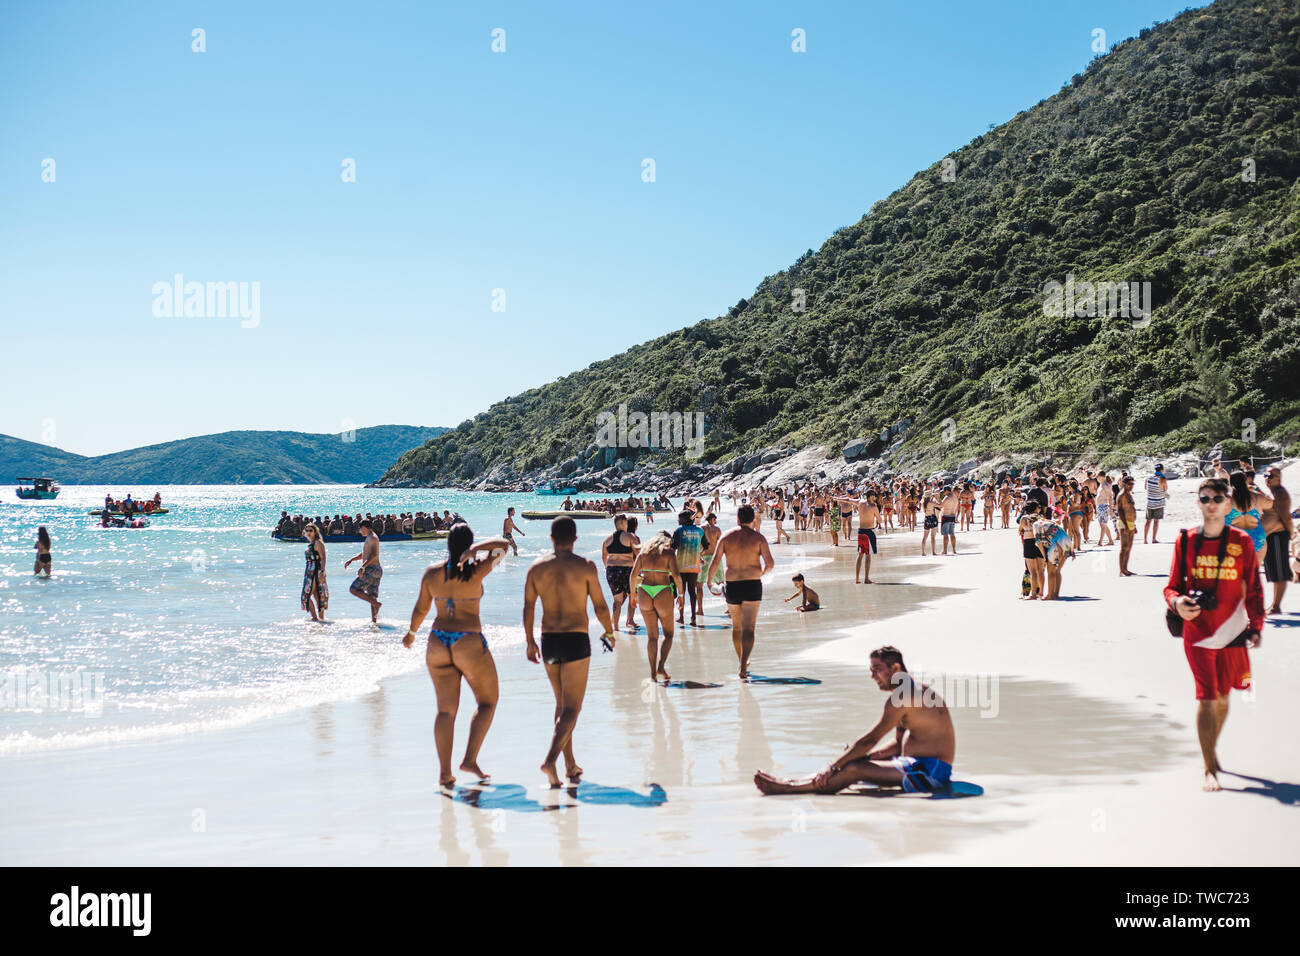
(457,647)
(1033,554)
(315,591)
(656,565)
(42,552)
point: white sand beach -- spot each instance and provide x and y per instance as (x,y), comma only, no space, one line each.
(1083,742)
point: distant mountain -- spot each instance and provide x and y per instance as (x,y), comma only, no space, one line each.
(248,457)
(928,328)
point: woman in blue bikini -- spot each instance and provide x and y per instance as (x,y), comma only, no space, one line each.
(456,646)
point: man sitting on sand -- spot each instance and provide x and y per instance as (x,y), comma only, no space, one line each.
(921,756)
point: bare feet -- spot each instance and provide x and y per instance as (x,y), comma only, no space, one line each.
(868,581)
(471,766)
(574,773)
(446,783)
(1211,784)
(551,776)
(374,611)
(663,674)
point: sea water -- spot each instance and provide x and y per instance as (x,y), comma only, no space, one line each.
(195,622)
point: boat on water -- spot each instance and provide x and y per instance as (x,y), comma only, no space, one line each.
(99,512)
(343,538)
(42,489)
(551,488)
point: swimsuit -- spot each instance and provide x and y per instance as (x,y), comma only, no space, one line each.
(619,579)
(564,648)
(449,638)
(738,592)
(948,522)
(367,582)
(923,774)
(866,538)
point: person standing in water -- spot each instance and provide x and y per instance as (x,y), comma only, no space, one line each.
(457,647)
(366,585)
(315,590)
(565,583)
(747,558)
(657,563)
(508,529)
(43,559)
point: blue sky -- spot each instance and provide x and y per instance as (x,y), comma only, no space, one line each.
(475,171)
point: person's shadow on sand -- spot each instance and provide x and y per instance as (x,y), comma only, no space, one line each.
(514,796)
(1288,793)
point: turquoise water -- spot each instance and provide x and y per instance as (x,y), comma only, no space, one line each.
(194,622)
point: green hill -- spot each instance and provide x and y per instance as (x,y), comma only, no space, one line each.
(249,457)
(1172,160)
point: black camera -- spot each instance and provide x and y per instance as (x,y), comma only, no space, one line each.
(1205,600)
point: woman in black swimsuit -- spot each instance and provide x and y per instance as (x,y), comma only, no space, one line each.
(42,551)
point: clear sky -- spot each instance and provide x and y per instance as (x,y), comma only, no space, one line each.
(475,171)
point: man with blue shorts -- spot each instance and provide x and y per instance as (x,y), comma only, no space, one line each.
(920,758)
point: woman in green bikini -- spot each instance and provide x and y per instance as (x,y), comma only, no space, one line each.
(656,582)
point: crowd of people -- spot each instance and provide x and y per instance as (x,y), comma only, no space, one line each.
(129,506)
(611,506)
(419,522)
(669,573)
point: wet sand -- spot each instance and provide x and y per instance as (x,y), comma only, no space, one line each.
(1086,749)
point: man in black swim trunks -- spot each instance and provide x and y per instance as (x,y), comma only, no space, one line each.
(747,558)
(564,582)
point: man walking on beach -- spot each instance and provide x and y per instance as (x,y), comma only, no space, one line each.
(1157,486)
(1214,587)
(747,557)
(508,529)
(948,518)
(1126,514)
(366,585)
(1279,527)
(565,582)
(920,758)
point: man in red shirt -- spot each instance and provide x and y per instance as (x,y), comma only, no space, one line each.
(1214,587)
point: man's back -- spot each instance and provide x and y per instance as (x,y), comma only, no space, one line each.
(561,582)
(742,548)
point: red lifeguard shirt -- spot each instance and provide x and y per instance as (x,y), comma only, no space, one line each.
(1236,584)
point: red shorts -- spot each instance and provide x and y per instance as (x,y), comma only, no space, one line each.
(1218,670)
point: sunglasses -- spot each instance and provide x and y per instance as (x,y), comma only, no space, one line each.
(1217,499)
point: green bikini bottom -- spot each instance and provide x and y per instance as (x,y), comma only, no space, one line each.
(653,589)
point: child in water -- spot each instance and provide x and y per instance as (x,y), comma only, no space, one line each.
(811,600)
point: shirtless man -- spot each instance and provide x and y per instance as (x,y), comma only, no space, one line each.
(747,558)
(1278,526)
(1157,487)
(868,518)
(508,529)
(920,758)
(564,582)
(366,586)
(1126,517)
(616,553)
(948,509)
